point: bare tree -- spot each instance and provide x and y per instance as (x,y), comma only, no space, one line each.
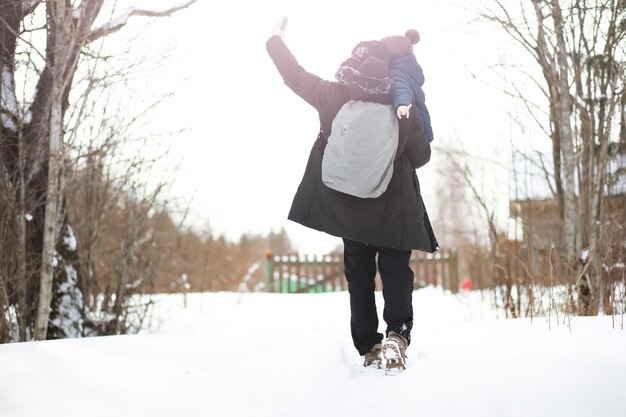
(580,50)
(32,147)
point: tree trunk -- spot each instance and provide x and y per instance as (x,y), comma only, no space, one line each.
(568,154)
(51,217)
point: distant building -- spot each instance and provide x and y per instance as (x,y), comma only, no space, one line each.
(537,211)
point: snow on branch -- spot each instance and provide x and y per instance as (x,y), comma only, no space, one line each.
(120,21)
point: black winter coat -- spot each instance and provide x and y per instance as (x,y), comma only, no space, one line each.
(397,219)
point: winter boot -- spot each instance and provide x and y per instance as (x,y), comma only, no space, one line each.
(393,350)
(372,359)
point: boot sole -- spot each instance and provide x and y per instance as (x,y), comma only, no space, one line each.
(393,360)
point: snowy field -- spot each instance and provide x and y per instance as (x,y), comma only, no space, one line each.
(232,354)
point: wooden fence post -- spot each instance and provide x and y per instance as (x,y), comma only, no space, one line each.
(454,273)
(446,269)
(269,274)
(305,277)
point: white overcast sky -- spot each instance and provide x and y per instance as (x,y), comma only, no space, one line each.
(249,136)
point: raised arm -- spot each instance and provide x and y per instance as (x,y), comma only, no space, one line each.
(308,86)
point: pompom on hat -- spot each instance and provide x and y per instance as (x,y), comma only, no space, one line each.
(413,35)
(399,46)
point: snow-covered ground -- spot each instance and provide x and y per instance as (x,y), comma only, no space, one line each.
(291,355)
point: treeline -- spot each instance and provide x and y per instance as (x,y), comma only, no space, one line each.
(130,242)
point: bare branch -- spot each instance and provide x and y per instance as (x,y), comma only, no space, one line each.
(17,35)
(120,21)
(29,6)
(511,28)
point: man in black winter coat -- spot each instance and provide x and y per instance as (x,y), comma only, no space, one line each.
(389,226)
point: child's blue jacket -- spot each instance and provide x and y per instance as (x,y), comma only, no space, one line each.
(408,78)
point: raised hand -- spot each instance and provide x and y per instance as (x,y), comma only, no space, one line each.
(279,28)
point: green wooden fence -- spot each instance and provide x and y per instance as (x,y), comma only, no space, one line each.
(302,274)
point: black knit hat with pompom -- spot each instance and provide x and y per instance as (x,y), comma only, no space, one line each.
(366,49)
(400,46)
(366,71)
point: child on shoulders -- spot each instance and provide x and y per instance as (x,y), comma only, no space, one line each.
(408,77)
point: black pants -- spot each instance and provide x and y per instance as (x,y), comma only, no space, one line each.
(360,268)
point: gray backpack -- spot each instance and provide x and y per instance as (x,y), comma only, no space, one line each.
(358,158)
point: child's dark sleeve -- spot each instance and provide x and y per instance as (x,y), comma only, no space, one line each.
(308,86)
(402,91)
